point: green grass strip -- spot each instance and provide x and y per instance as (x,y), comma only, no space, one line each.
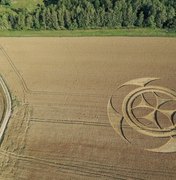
(133,32)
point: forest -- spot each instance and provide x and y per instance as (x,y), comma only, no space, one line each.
(89,14)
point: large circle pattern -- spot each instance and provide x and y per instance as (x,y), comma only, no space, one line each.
(134,123)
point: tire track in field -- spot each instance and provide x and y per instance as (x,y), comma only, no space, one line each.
(29,91)
(72,122)
(9,60)
(113,168)
(63,121)
(76,169)
(91,169)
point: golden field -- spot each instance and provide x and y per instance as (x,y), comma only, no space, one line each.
(59,128)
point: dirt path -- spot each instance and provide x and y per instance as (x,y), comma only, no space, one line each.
(7,107)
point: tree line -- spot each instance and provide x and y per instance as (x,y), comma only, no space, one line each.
(89,14)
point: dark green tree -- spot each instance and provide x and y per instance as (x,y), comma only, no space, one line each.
(140,19)
(29,22)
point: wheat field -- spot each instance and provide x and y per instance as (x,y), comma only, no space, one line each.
(60,87)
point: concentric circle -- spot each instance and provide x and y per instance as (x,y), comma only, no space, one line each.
(135,124)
